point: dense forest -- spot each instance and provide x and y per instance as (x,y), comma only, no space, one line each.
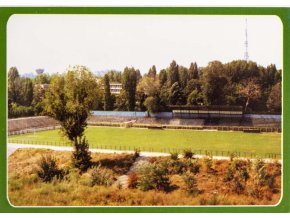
(237,83)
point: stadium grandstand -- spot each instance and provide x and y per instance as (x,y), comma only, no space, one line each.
(30,124)
(206,112)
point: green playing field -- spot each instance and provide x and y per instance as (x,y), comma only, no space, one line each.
(217,142)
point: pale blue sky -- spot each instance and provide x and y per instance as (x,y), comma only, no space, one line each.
(101,42)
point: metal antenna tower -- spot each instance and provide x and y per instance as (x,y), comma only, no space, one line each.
(246,54)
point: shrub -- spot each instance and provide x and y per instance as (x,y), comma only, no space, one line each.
(81,157)
(266,178)
(102,176)
(258,164)
(237,174)
(132,180)
(190,182)
(188,154)
(194,167)
(208,164)
(238,186)
(176,166)
(153,176)
(48,169)
(174,156)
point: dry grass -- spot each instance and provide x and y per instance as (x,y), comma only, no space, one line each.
(26,189)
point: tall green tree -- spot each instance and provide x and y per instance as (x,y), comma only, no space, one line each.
(152,72)
(162,77)
(193,71)
(26,92)
(215,82)
(130,78)
(150,87)
(13,85)
(175,96)
(69,100)
(183,77)
(107,99)
(173,75)
(275,98)
(114,76)
(42,79)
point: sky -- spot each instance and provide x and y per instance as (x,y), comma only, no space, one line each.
(103,42)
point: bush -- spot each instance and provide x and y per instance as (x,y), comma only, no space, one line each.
(194,167)
(102,176)
(208,164)
(48,169)
(237,174)
(174,156)
(153,176)
(188,154)
(190,182)
(81,157)
(177,167)
(132,180)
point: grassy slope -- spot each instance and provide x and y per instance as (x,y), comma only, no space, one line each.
(163,140)
(25,188)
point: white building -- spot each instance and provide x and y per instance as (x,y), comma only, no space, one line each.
(115,88)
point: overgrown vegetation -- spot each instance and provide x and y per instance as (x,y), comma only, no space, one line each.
(48,169)
(157,182)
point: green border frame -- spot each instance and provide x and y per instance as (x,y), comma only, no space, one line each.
(283,13)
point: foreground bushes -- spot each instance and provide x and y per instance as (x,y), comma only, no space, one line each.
(153,176)
(102,176)
(156,181)
(48,169)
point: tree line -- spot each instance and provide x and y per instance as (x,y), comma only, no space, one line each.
(237,83)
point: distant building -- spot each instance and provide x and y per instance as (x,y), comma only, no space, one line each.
(115,88)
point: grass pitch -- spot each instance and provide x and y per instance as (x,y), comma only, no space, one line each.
(219,143)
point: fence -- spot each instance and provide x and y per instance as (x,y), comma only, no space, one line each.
(153,149)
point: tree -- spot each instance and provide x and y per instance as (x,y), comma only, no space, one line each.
(69,100)
(215,82)
(129,83)
(195,98)
(107,98)
(26,92)
(183,77)
(162,77)
(13,85)
(193,71)
(250,89)
(114,76)
(151,103)
(175,96)
(274,100)
(173,73)
(152,72)
(149,86)
(42,79)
